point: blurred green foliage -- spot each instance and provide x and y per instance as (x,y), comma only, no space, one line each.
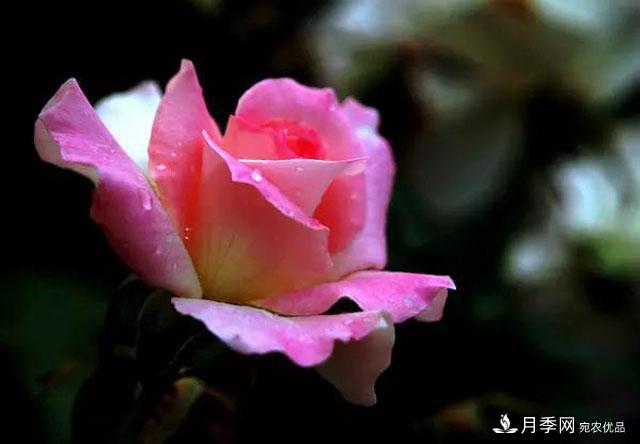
(49,324)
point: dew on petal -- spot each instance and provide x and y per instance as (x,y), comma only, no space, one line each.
(409,303)
(145,200)
(256,175)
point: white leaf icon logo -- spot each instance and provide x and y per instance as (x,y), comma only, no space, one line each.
(504,420)
(506,425)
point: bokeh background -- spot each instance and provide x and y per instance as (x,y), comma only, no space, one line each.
(516,129)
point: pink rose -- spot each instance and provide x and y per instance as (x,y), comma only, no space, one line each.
(258,231)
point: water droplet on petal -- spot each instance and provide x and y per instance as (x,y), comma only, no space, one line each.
(299,169)
(145,200)
(161,167)
(255,175)
(409,303)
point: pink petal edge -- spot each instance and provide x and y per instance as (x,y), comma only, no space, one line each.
(305,181)
(69,134)
(402,295)
(175,148)
(251,241)
(317,107)
(242,172)
(373,355)
(343,206)
(368,249)
(328,341)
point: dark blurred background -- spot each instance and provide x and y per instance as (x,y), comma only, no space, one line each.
(515,126)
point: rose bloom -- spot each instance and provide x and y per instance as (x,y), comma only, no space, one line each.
(257,231)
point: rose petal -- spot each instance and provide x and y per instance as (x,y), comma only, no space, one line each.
(243,140)
(175,151)
(308,341)
(250,240)
(70,134)
(343,206)
(372,355)
(129,116)
(403,295)
(368,248)
(305,181)
(318,108)
(343,209)
(435,310)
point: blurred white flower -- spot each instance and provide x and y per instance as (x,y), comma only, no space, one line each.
(598,209)
(535,257)
(590,199)
(600,197)
(507,45)
(472,65)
